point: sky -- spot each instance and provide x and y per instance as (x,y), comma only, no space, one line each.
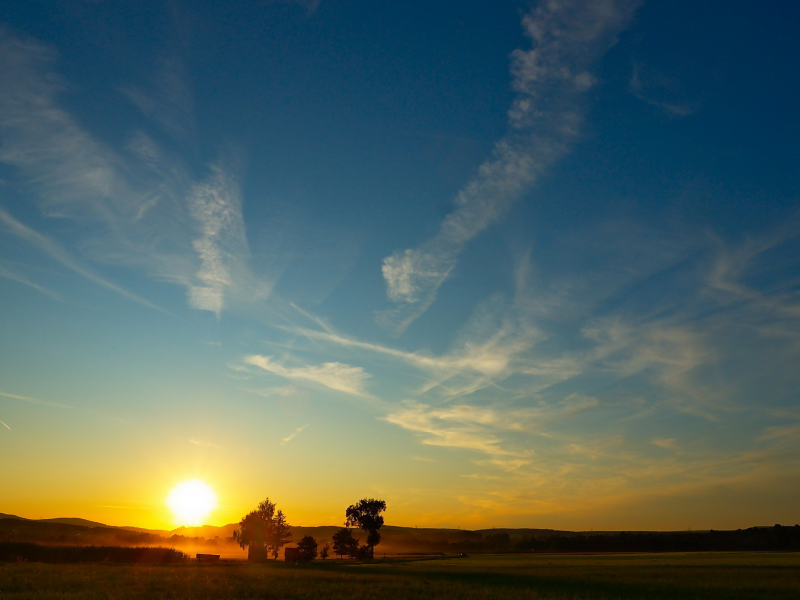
(498,263)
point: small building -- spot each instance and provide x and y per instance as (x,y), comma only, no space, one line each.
(208,558)
(292,554)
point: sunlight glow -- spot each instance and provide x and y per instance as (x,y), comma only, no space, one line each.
(191,502)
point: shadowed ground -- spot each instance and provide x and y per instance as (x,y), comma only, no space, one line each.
(577,577)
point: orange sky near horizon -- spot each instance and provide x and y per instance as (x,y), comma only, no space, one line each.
(719,508)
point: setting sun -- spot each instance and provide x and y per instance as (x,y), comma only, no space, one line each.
(191,502)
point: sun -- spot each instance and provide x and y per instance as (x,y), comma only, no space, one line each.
(191,502)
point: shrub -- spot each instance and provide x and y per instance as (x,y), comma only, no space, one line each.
(19,551)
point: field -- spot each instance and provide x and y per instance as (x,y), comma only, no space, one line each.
(576,577)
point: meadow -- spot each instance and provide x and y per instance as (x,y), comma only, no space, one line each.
(544,577)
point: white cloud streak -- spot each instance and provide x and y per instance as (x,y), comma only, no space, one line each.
(195,442)
(332,375)
(35,400)
(619,337)
(169,102)
(138,208)
(8,274)
(497,342)
(294,434)
(59,254)
(655,89)
(479,428)
(221,246)
(6,426)
(72,172)
(549,80)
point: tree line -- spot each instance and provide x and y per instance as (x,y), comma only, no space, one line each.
(28,552)
(752,539)
(777,538)
(264,531)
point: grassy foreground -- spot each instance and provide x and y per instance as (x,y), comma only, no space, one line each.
(574,577)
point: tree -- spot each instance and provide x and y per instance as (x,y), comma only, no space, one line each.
(323,554)
(345,543)
(308,548)
(366,515)
(280,534)
(262,530)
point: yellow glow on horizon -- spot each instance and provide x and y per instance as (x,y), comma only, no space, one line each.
(191,502)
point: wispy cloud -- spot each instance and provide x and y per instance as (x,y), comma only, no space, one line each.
(497,342)
(549,80)
(140,206)
(58,253)
(665,443)
(70,170)
(195,442)
(58,405)
(9,274)
(35,400)
(421,459)
(333,375)
(660,91)
(285,391)
(673,328)
(294,434)
(221,246)
(478,428)
(168,101)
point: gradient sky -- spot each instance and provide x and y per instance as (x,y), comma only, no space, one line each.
(497,263)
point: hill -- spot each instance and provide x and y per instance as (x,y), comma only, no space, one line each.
(218,540)
(69,521)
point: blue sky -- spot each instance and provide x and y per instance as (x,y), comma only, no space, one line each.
(499,263)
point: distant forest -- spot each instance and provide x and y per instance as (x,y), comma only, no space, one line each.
(433,541)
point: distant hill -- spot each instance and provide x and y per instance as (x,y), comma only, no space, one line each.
(27,530)
(402,537)
(164,532)
(68,521)
(207,531)
(218,540)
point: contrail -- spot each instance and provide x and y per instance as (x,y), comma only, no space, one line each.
(6,426)
(56,252)
(35,400)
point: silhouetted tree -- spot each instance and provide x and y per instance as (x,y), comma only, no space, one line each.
(263,530)
(345,543)
(366,515)
(280,534)
(323,554)
(308,548)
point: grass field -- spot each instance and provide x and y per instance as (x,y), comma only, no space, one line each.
(684,576)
